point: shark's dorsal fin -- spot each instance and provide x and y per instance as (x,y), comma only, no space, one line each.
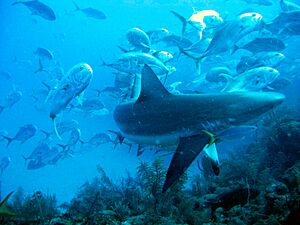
(151,87)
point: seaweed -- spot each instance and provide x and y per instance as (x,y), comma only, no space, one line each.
(36,208)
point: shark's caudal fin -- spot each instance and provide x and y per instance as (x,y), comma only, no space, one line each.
(151,87)
(187,150)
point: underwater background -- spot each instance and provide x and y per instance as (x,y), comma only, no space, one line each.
(128,187)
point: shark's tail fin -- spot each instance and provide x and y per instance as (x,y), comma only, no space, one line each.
(183,21)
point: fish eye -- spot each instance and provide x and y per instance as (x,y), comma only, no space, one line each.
(253,15)
(81,67)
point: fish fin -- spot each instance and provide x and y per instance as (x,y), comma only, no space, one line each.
(183,21)
(145,46)
(46,86)
(25,158)
(1,108)
(228,79)
(64,147)
(4,210)
(211,152)
(198,67)
(123,49)
(187,150)
(198,59)
(215,165)
(41,67)
(46,133)
(129,145)
(76,6)
(212,137)
(119,137)
(55,128)
(9,140)
(17,2)
(270,88)
(140,150)
(151,87)
(235,48)
(80,98)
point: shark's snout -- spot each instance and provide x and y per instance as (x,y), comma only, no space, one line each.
(275,99)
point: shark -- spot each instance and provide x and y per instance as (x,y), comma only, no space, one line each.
(157,117)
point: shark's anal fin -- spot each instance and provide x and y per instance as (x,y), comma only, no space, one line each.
(151,87)
(187,150)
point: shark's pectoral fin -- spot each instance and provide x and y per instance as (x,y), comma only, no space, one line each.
(187,150)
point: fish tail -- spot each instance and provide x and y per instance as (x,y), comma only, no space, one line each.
(103,63)
(46,133)
(41,67)
(9,140)
(182,19)
(46,86)
(235,48)
(76,6)
(82,142)
(25,158)
(64,147)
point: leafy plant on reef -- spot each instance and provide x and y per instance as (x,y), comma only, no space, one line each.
(34,207)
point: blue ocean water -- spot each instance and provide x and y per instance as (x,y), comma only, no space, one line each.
(74,38)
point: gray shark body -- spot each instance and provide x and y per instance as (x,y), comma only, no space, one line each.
(158,117)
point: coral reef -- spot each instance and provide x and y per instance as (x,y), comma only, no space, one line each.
(260,185)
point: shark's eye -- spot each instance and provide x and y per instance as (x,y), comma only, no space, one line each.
(253,15)
(81,67)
